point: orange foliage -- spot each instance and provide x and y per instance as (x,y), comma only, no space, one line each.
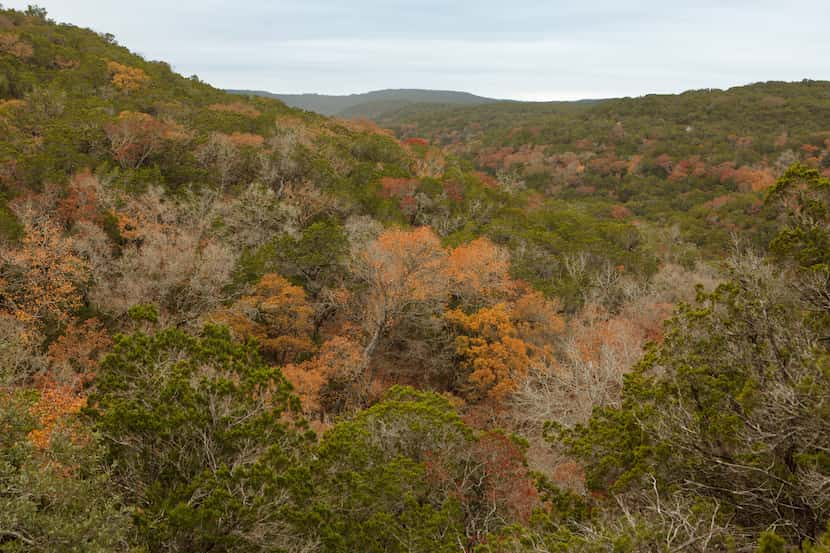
(619,211)
(414,141)
(55,404)
(755,180)
(398,188)
(277,315)
(401,268)
(126,78)
(339,359)
(664,161)
(478,269)
(75,355)
(685,168)
(246,139)
(491,350)
(537,320)
(407,263)
(43,283)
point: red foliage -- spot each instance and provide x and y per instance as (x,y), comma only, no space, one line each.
(416,142)
(81,201)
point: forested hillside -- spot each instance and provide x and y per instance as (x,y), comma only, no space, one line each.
(228,325)
(372,105)
(696,160)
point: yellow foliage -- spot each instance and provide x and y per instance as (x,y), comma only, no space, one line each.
(277,315)
(126,78)
(492,350)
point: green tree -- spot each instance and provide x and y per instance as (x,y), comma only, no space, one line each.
(203,436)
(407,475)
(58,497)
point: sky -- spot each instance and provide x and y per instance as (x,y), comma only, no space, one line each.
(519,49)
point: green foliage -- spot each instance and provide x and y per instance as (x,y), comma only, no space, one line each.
(57,499)
(200,433)
(771,542)
(802,196)
(407,475)
(10,229)
(372,491)
(148,312)
(315,257)
(629,149)
(731,401)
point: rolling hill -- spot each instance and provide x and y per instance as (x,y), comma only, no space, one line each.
(371,105)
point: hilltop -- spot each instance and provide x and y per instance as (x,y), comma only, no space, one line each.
(371,105)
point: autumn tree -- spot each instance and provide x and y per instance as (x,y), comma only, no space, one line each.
(41,279)
(277,315)
(135,137)
(326,383)
(494,357)
(126,78)
(479,272)
(402,272)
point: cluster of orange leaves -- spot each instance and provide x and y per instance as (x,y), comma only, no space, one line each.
(126,78)
(277,314)
(338,359)
(501,325)
(45,284)
(245,139)
(55,404)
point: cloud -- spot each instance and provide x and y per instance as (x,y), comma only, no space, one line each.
(521,49)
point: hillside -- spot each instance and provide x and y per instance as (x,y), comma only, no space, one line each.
(695,159)
(373,104)
(228,325)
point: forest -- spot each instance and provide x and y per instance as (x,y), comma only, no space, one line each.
(228,325)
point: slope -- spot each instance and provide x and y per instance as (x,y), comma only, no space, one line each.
(371,104)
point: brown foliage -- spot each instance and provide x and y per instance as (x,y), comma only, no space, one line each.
(81,200)
(11,43)
(74,356)
(42,276)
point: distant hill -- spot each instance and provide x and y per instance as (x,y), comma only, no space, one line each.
(371,105)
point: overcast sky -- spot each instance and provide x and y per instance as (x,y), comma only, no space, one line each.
(522,49)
